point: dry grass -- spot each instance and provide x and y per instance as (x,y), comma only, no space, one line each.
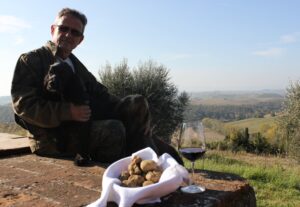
(12,128)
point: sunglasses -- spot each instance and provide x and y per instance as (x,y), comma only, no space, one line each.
(65,29)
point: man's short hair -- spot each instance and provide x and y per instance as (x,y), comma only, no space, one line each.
(75,13)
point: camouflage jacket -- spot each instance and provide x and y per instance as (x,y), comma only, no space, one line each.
(27,88)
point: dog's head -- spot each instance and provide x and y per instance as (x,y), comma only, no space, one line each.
(63,82)
(58,77)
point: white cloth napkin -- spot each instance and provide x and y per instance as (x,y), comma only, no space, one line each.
(171,178)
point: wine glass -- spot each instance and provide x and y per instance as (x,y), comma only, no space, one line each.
(191,145)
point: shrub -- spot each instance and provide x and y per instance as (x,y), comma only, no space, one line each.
(260,144)
(152,81)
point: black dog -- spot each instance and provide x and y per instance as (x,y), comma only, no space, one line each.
(61,83)
(141,135)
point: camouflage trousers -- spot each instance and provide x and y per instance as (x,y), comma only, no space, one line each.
(127,131)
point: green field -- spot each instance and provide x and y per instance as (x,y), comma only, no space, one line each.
(276,181)
(254,124)
(218,131)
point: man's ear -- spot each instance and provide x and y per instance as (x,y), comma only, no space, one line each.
(81,38)
(52,29)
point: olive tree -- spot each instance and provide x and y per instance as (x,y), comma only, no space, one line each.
(290,122)
(151,80)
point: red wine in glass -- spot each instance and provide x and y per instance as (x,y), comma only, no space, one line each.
(191,145)
(192,153)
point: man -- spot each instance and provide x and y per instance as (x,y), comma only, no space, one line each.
(118,128)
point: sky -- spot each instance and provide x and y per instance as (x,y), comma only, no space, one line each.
(207,45)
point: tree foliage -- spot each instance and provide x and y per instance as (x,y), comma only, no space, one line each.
(290,122)
(152,81)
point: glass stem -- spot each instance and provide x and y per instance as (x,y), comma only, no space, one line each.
(192,178)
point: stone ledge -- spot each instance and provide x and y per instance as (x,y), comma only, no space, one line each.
(30,180)
(11,144)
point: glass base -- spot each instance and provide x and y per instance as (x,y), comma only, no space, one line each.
(193,189)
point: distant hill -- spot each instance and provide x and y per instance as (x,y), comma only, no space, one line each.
(234,105)
(5,100)
(7,121)
(210,94)
(6,114)
(236,97)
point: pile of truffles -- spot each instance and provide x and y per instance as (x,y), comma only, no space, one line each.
(140,173)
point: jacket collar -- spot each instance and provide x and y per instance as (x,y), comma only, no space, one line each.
(52,47)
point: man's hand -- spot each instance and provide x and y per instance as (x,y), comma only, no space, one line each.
(80,113)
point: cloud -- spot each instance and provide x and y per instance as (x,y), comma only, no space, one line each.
(290,38)
(269,52)
(12,24)
(182,56)
(18,40)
